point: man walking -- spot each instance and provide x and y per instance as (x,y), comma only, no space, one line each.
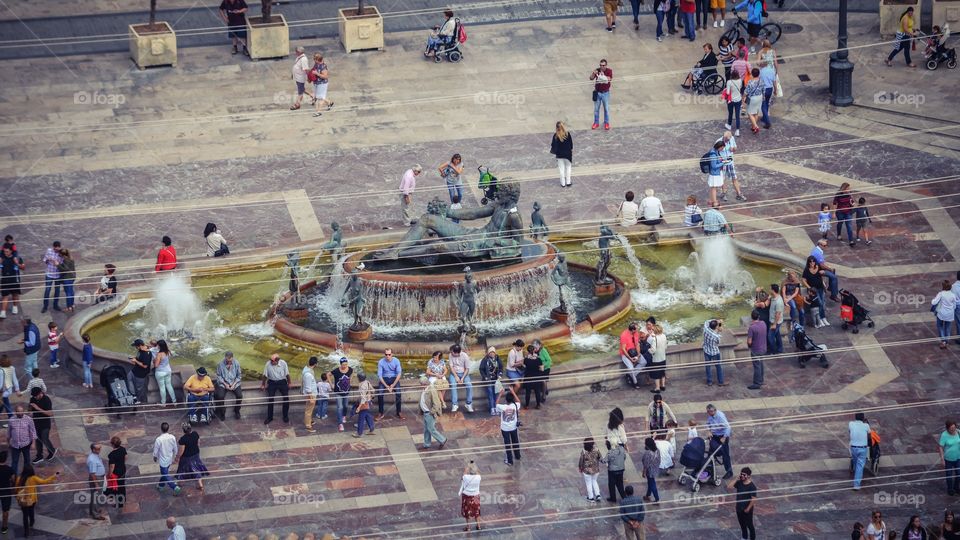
(407,185)
(460,376)
(21,432)
(300,68)
(757,341)
(96,474)
(31,345)
(52,259)
(818,255)
(431,408)
(602,77)
(632,514)
(308,387)
(859,433)
(141,369)
(228,380)
(234,13)
(42,408)
(164,452)
(176,530)
(711,349)
(388,373)
(610,8)
(774,339)
(276,379)
(768,76)
(720,436)
(746,499)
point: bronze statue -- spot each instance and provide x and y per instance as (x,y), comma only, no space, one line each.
(293,261)
(560,275)
(335,243)
(538,227)
(353,298)
(467,302)
(603,265)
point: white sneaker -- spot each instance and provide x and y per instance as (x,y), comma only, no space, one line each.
(468,407)
(715,24)
(660,38)
(726,126)
(493,412)
(3,314)
(826,322)
(455,408)
(721,24)
(736,133)
(15,310)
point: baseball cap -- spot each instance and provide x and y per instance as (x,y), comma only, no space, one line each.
(343,360)
(137,343)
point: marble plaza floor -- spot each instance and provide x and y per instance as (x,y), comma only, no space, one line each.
(107,159)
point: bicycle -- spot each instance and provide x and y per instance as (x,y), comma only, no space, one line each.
(770,31)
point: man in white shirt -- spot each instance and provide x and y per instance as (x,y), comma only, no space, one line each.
(308,387)
(859,433)
(300,68)
(407,184)
(651,209)
(176,530)
(460,375)
(95,477)
(629,211)
(164,452)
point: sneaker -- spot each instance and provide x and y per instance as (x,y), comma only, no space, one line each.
(203,419)
(53,455)
(741,197)
(716,24)
(340,429)
(826,322)
(193,419)
(3,314)
(614,24)
(43,310)
(36,460)
(54,366)
(606,126)
(869,242)
(660,38)
(736,133)
(14,310)
(493,412)
(609,29)
(311,430)
(176,491)
(726,126)
(455,408)
(753,387)
(468,407)
(721,24)
(324,417)
(316,114)
(595,126)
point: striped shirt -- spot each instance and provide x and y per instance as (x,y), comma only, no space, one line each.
(711,340)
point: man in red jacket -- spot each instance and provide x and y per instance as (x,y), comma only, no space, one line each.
(167,256)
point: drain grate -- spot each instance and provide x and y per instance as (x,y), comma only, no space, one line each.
(790,28)
(803,77)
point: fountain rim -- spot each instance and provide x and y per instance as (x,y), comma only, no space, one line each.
(527,263)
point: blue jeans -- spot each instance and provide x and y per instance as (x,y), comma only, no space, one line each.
(453,389)
(832,283)
(87,375)
(192,401)
(689,30)
(660,16)
(943,329)
(822,296)
(757,360)
(322,405)
(765,108)
(53,357)
(165,479)
(341,408)
(956,319)
(713,359)
(29,364)
(774,340)
(365,417)
(455,189)
(796,314)
(68,291)
(635,6)
(952,470)
(430,432)
(17,454)
(603,98)
(490,388)
(8,407)
(672,19)
(733,113)
(859,457)
(652,488)
(845,218)
(49,283)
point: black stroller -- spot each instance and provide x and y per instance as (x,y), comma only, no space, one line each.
(699,467)
(873,453)
(852,312)
(121,395)
(808,349)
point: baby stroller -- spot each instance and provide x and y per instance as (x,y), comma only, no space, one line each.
(699,466)
(852,313)
(936,52)
(488,183)
(121,395)
(807,348)
(451,48)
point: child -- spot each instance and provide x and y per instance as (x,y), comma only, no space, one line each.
(823,220)
(455,205)
(672,435)
(323,396)
(692,430)
(9,243)
(692,214)
(35,382)
(53,340)
(813,306)
(108,285)
(87,361)
(863,219)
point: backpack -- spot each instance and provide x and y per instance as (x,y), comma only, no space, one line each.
(343,384)
(763,9)
(462,34)
(705,163)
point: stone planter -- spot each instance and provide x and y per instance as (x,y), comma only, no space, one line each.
(947,11)
(890,11)
(151,47)
(268,40)
(359,32)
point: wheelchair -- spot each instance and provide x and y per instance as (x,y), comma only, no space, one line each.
(711,83)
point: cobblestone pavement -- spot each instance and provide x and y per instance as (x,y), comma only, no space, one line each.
(108,189)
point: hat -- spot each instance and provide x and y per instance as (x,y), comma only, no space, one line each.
(491,349)
(343,360)
(201,370)
(137,343)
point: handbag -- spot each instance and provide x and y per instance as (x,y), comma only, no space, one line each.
(778,89)
(113,481)
(725,95)
(595,96)
(363,406)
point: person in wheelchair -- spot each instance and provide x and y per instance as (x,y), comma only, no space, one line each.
(706,66)
(199,391)
(442,35)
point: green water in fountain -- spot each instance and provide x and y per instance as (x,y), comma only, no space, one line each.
(242,299)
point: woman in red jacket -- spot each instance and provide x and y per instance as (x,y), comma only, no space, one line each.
(167,256)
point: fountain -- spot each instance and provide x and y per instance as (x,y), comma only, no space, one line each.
(175,312)
(714,269)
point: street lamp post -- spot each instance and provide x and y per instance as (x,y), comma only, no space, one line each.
(841,69)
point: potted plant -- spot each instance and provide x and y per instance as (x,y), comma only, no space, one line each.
(361,28)
(268,35)
(154,43)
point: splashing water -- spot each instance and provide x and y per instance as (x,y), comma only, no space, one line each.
(634,261)
(714,270)
(175,309)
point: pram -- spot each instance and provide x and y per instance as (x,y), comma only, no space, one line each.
(852,313)
(936,51)
(121,394)
(807,348)
(488,183)
(699,466)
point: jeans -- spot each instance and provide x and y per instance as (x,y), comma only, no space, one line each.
(635,6)
(603,98)
(511,444)
(796,314)
(703,11)
(192,401)
(757,368)
(165,478)
(220,395)
(397,399)
(283,388)
(30,364)
(724,451)
(593,487)
(902,45)
(490,388)
(140,388)
(87,375)
(165,382)
(43,439)
(745,519)
(689,30)
(652,488)
(733,113)
(16,454)
(715,360)
(455,189)
(765,108)
(845,218)
(956,319)
(7,406)
(859,456)
(952,470)
(633,370)
(365,417)
(672,19)
(53,357)
(832,283)
(49,283)
(660,16)
(943,329)
(454,395)
(341,408)
(822,297)
(774,340)
(321,411)
(430,431)
(68,291)
(615,484)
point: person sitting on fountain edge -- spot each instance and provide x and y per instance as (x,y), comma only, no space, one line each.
(714,222)
(199,388)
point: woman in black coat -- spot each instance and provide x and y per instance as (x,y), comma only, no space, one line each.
(562,148)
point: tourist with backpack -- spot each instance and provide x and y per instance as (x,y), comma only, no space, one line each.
(510,428)
(340,379)
(755,15)
(711,164)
